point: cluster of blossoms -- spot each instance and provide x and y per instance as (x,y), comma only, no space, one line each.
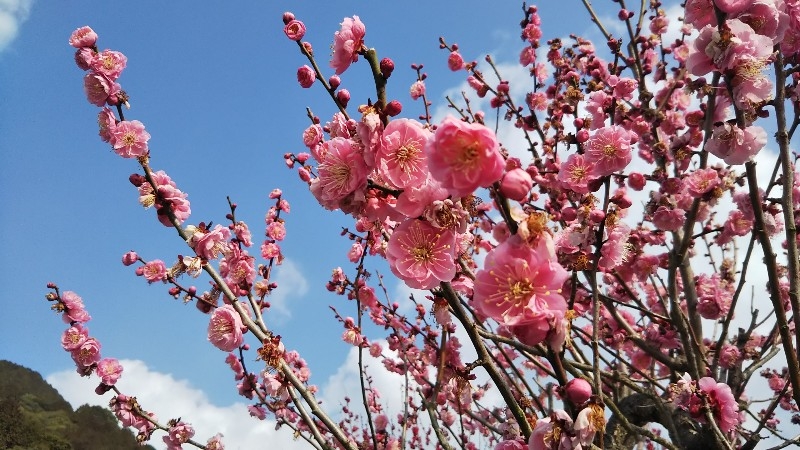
(530,247)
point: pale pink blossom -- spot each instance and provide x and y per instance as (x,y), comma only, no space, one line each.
(464,156)
(178,434)
(109,63)
(276,230)
(238,270)
(401,157)
(83,37)
(356,250)
(669,219)
(417,89)
(225,329)
(735,145)
(168,198)
(702,181)
(109,370)
(73,308)
(421,254)
(415,199)
(552,432)
(215,443)
(208,244)
(129,139)
(576,174)
(153,271)
(347,43)
(520,285)
(107,123)
(608,150)
(99,89)
(87,354)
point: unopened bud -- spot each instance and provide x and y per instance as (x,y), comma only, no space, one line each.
(136,179)
(343,96)
(393,108)
(287,17)
(387,67)
(334,81)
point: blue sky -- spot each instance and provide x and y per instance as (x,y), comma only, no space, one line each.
(215,86)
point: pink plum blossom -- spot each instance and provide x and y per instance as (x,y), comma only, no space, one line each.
(417,89)
(608,150)
(342,170)
(577,391)
(295,30)
(83,37)
(129,139)
(401,157)
(735,145)
(99,89)
(178,434)
(87,354)
(109,63)
(168,198)
(225,329)
(464,156)
(421,254)
(73,337)
(73,308)
(109,370)
(153,271)
(208,244)
(347,43)
(306,76)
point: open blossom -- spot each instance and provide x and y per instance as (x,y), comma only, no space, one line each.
(421,254)
(168,198)
(208,244)
(735,145)
(73,308)
(575,174)
(608,150)
(401,157)
(178,434)
(99,89)
(520,285)
(83,37)
(73,337)
(417,89)
(347,42)
(109,370)
(109,63)
(129,139)
(702,181)
(153,271)
(225,329)
(464,156)
(87,354)
(342,171)
(295,30)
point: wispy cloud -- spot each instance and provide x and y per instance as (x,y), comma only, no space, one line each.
(12,14)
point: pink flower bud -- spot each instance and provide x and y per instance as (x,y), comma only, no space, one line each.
(304,175)
(83,37)
(288,17)
(387,67)
(334,81)
(343,96)
(578,391)
(516,184)
(295,30)
(130,258)
(306,76)
(597,215)
(455,62)
(636,181)
(393,108)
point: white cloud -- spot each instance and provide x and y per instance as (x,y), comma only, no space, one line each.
(291,285)
(168,398)
(12,14)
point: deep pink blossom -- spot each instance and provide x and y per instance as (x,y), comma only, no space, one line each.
(576,174)
(295,30)
(342,170)
(455,61)
(669,219)
(83,37)
(608,150)
(109,370)
(421,254)
(464,156)
(225,329)
(578,391)
(99,89)
(401,158)
(347,43)
(702,181)
(723,405)
(129,139)
(306,76)
(107,123)
(516,184)
(168,198)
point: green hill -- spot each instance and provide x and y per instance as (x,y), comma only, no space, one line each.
(33,415)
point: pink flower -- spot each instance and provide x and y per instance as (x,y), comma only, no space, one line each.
(306,76)
(576,174)
(455,62)
(73,337)
(722,403)
(109,370)
(401,157)
(552,432)
(209,244)
(417,89)
(729,356)
(99,89)
(342,170)
(154,270)
(178,434)
(225,329)
(464,156)
(577,391)
(130,258)
(215,443)
(421,254)
(735,145)
(87,354)
(238,270)
(129,139)
(516,184)
(168,198)
(106,122)
(295,30)
(270,250)
(347,42)
(667,219)
(355,253)
(608,150)
(73,308)
(109,63)
(276,230)
(521,285)
(83,37)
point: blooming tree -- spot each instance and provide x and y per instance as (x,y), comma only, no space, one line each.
(586,282)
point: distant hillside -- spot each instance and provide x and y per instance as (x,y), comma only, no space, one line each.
(34,416)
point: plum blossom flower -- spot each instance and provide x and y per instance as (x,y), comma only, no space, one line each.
(168,198)
(702,181)
(87,354)
(225,329)
(421,254)
(608,150)
(516,184)
(153,271)
(669,219)
(455,61)
(109,370)
(129,139)
(464,156)
(347,42)
(109,63)
(295,30)
(73,337)
(179,433)
(575,174)
(401,157)
(735,145)
(417,89)
(83,37)
(106,122)
(72,306)
(306,76)
(99,89)
(342,170)
(520,286)
(577,391)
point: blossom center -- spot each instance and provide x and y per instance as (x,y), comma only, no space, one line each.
(406,155)
(609,150)
(129,138)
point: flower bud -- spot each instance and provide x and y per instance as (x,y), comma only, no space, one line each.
(288,17)
(306,76)
(130,258)
(387,67)
(393,108)
(455,61)
(343,96)
(136,179)
(334,81)
(578,391)
(295,30)
(516,184)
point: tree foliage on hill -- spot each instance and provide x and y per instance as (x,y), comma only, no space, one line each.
(33,415)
